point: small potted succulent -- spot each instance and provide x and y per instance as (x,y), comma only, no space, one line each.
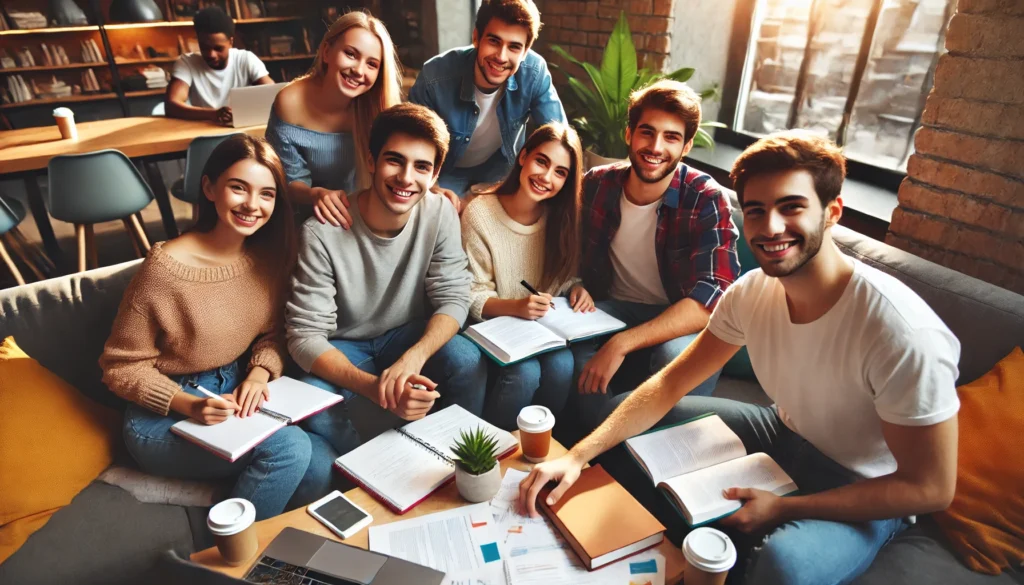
(477,473)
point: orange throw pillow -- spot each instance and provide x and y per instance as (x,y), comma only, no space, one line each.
(53,442)
(985,522)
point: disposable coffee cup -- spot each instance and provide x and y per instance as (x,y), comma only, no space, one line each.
(535,424)
(66,123)
(231,523)
(709,556)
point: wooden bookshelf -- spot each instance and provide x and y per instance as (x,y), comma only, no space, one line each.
(16,70)
(286,58)
(145,92)
(268,19)
(84,97)
(153,61)
(50,30)
(153,24)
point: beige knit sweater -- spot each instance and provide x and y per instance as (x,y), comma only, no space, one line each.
(502,252)
(178,319)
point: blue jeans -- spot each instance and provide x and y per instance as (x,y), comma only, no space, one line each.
(545,379)
(457,368)
(796,553)
(286,470)
(637,366)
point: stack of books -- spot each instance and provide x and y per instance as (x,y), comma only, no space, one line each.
(52,89)
(27,20)
(155,77)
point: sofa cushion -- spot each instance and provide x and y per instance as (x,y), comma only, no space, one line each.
(985,522)
(105,536)
(64,322)
(53,443)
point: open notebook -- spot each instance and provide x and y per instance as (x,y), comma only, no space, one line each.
(290,401)
(695,460)
(508,340)
(402,466)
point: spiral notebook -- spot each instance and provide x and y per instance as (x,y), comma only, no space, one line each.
(402,466)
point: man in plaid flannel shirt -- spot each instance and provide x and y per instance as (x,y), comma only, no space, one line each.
(659,249)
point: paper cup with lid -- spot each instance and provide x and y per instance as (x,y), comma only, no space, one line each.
(231,523)
(535,423)
(710,554)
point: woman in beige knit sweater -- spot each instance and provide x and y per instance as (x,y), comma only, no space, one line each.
(527,228)
(206,309)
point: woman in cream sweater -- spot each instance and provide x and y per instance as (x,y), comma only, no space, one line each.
(527,228)
(206,309)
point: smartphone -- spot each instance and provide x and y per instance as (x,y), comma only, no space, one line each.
(340,514)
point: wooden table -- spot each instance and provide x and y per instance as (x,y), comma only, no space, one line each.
(27,151)
(446,498)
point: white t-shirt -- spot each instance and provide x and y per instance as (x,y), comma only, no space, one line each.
(486,138)
(208,88)
(635,274)
(879,354)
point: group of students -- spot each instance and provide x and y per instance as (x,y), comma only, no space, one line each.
(420,216)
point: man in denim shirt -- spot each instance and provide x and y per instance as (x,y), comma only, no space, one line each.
(486,92)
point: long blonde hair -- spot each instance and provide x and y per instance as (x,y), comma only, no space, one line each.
(386,92)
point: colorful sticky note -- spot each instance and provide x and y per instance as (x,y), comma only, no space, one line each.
(648,566)
(490,552)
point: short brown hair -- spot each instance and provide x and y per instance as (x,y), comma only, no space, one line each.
(670,96)
(793,150)
(517,12)
(414,120)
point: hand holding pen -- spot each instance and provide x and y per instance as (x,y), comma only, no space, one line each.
(214,409)
(536,305)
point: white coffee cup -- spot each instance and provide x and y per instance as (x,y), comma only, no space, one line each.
(65,119)
(709,555)
(231,523)
(535,423)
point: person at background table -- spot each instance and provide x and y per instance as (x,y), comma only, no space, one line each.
(861,371)
(486,92)
(659,249)
(320,123)
(207,308)
(375,309)
(200,82)
(527,228)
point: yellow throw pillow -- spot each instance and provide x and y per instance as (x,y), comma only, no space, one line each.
(53,442)
(985,522)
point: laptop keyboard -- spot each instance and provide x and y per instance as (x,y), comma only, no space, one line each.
(270,571)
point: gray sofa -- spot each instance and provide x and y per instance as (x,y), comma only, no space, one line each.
(107,536)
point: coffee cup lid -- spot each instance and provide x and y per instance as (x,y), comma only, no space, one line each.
(63,112)
(231,516)
(709,550)
(535,419)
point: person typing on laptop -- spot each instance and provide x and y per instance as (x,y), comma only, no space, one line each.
(200,82)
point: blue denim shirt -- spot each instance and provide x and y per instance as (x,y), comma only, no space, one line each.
(445,85)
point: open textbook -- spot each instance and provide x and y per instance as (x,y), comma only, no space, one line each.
(290,401)
(510,339)
(694,461)
(402,466)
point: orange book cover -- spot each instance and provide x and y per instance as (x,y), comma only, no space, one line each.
(601,520)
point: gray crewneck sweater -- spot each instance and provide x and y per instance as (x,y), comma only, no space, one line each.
(353,284)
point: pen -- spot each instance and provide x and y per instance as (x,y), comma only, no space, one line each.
(418,387)
(534,291)
(204,390)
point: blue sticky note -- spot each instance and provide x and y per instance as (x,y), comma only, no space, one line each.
(648,566)
(490,551)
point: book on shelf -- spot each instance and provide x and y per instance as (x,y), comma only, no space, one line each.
(508,340)
(695,460)
(281,45)
(402,466)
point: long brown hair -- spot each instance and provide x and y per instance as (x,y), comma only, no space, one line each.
(562,233)
(275,238)
(386,91)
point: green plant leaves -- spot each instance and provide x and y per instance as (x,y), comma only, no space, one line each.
(476,451)
(618,65)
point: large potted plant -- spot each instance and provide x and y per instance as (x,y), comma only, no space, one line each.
(603,105)
(477,473)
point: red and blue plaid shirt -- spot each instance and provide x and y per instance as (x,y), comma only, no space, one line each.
(695,240)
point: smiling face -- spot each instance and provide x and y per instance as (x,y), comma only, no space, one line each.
(403,172)
(244,196)
(657,145)
(783,220)
(545,170)
(499,51)
(353,61)
(214,49)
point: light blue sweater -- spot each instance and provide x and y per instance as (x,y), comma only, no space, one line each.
(318,159)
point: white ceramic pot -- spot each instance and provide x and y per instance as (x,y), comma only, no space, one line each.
(478,488)
(592,159)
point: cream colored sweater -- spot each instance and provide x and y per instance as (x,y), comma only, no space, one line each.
(178,319)
(502,252)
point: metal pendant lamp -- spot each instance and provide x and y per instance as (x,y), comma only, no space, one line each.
(135,11)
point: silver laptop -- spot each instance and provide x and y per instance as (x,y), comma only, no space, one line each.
(250,106)
(297,556)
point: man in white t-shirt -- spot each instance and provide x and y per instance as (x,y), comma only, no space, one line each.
(861,370)
(200,82)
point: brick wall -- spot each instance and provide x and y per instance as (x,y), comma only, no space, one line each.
(962,203)
(581,27)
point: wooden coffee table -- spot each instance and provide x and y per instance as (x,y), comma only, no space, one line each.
(446,498)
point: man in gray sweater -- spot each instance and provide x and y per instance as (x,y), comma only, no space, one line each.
(375,309)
